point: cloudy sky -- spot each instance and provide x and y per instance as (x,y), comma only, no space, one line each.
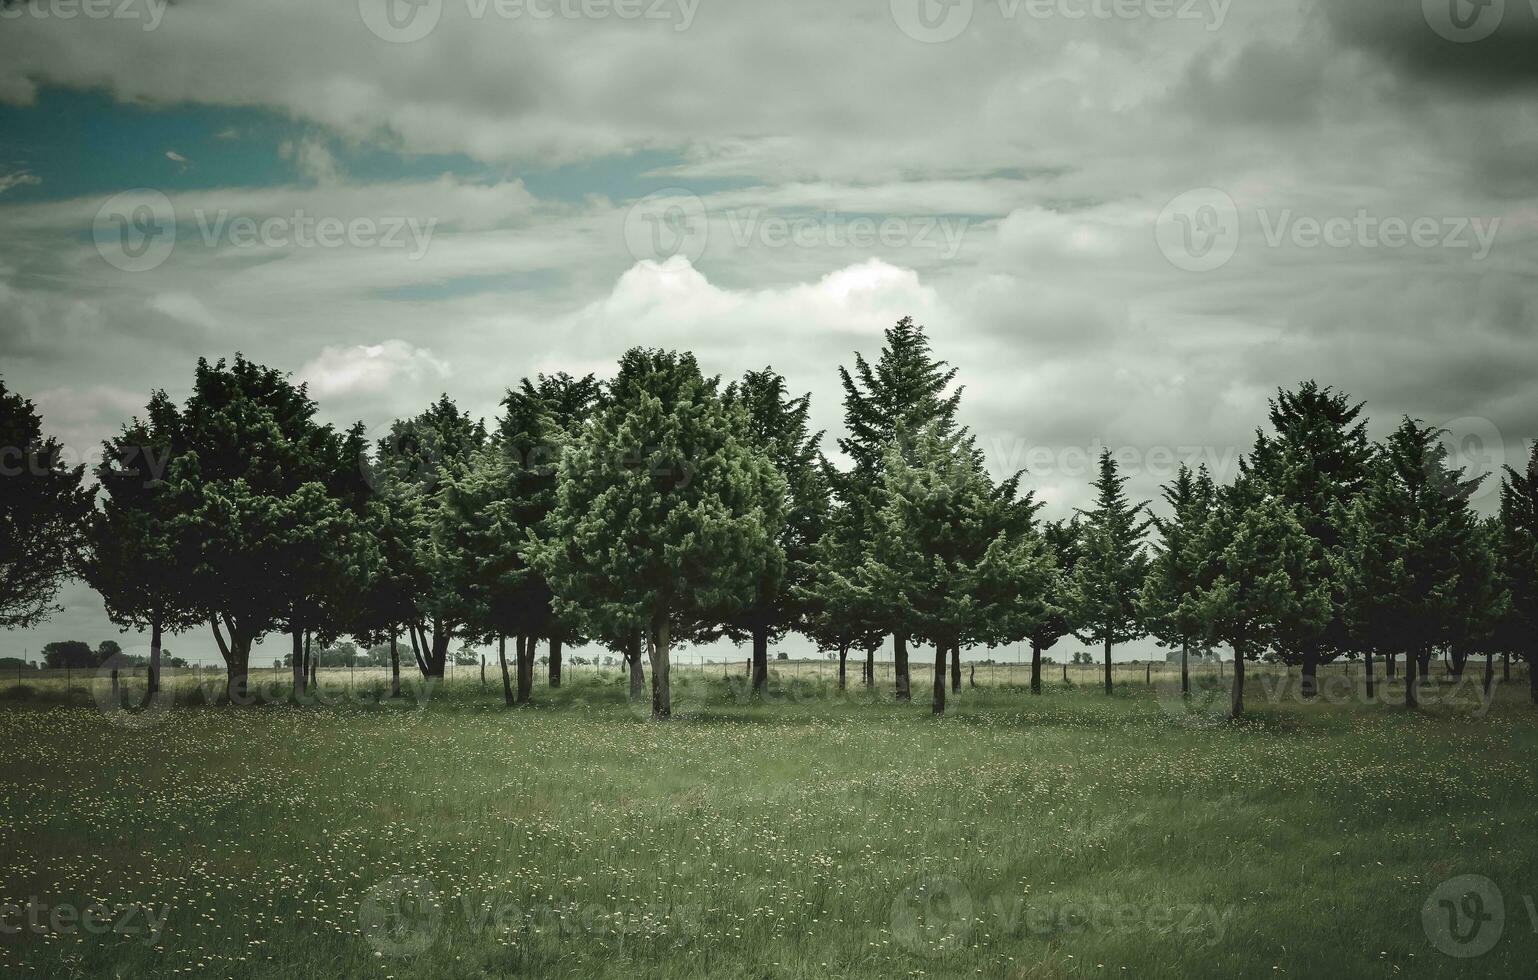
(1126,221)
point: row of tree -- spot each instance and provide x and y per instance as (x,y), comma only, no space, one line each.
(662,507)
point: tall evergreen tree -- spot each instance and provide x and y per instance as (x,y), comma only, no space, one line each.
(1317,462)
(43,510)
(1256,581)
(906,389)
(666,517)
(1172,574)
(1402,556)
(778,428)
(136,559)
(1112,566)
(955,560)
(411,466)
(1518,563)
(1062,539)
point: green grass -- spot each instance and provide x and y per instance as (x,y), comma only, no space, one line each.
(1071,835)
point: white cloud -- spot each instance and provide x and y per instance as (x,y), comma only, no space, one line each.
(369,369)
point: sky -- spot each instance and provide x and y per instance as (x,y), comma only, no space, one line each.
(1126,222)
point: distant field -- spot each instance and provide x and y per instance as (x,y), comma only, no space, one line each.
(814,834)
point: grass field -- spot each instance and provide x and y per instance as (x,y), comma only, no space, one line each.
(814,834)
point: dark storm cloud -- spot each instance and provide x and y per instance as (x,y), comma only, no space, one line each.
(1480,46)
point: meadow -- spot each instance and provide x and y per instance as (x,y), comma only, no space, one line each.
(814,833)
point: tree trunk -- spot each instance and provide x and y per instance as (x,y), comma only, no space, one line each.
(526,645)
(1390,665)
(439,657)
(1185,668)
(760,660)
(555,661)
(1410,662)
(900,667)
(395,665)
(956,668)
(843,659)
(1035,667)
(870,666)
(1369,675)
(1489,670)
(938,704)
(1108,665)
(637,672)
(658,642)
(507,680)
(237,687)
(1505,666)
(312,660)
(153,680)
(1310,674)
(1532,678)
(1425,666)
(483,670)
(297,667)
(1236,704)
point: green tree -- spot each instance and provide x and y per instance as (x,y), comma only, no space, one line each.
(1317,462)
(136,556)
(1403,550)
(955,561)
(839,614)
(666,517)
(69,654)
(1112,566)
(1062,539)
(906,389)
(43,512)
(778,429)
(411,466)
(1172,573)
(1518,565)
(1256,581)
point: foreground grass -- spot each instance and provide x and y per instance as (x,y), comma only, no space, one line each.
(816,834)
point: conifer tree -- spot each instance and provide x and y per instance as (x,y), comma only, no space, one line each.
(1518,563)
(1191,497)
(666,518)
(906,389)
(1062,540)
(1111,568)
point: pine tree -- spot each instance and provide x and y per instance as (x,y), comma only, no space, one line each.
(1256,581)
(778,428)
(954,560)
(1062,539)
(1191,497)
(135,559)
(666,517)
(908,390)
(1518,563)
(1111,568)
(43,511)
(1402,559)
(1317,462)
